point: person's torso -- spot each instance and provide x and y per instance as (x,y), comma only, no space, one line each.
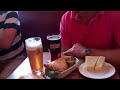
(17,47)
(97,34)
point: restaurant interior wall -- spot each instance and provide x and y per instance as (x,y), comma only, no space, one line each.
(40,24)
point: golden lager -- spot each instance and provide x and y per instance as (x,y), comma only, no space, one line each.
(34,50)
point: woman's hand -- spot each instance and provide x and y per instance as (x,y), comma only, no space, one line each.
(77,50)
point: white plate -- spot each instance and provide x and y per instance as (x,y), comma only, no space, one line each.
(108,72)
(71,69)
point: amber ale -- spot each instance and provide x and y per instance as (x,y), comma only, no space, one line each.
(34,50)
(54,46)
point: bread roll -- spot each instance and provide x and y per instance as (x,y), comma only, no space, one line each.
(94,63)
(90,62)
(100,64)
(57,65)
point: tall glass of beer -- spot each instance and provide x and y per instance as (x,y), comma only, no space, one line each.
(34,50)
(54,42)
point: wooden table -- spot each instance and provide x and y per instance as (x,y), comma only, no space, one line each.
(24,69)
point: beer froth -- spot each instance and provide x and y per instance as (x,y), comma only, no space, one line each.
(53,37)
(33,44)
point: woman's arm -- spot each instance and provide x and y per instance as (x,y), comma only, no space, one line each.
(8,38)
(10,29)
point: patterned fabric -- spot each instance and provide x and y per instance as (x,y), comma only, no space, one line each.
(10,19)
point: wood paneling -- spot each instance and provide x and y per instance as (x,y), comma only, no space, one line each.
(40,23)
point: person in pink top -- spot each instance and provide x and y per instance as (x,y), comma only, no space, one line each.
(92,33)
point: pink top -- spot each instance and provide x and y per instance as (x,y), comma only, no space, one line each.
(103,31)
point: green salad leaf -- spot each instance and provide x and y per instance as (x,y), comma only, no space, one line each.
(51,74)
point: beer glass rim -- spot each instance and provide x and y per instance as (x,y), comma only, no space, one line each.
(52,35)
(32,37)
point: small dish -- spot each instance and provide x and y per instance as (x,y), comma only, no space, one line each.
(60,75)
(69,70)
(106,73)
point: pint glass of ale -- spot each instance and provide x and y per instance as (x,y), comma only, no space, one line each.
(54,42)
(34,50)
